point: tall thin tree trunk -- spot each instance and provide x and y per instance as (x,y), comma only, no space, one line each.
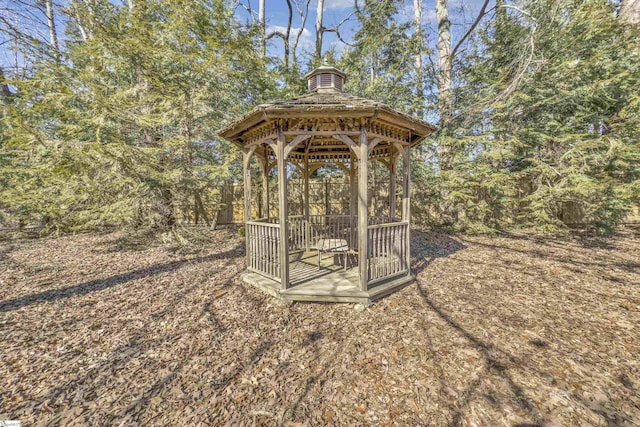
(200,209)
(287,35)
(168,208)
(444,80)
(319,32)
(75,14)
(262,27)
(444,58)
(303,17)
(417,21)
(51,23)
(5,91)
(630,11)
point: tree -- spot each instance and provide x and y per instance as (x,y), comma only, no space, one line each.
(123,134)
(380,61)
(630,11)
(549,134)
(317,57)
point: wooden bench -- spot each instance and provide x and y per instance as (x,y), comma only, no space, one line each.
(333,246)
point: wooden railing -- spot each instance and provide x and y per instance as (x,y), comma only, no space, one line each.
(303,235)
(263,248)
(272,220)
(387,257)
(332,227)
(388,250)
(298,233)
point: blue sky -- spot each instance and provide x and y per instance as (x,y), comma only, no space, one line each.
(462,13)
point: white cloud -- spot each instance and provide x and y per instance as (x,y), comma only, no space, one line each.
(335,4)
(306,38)
(339,4)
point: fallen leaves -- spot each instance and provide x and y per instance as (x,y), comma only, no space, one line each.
(497,331)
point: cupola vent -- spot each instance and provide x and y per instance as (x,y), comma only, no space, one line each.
(326,79)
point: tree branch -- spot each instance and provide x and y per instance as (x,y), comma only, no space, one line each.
(481,14)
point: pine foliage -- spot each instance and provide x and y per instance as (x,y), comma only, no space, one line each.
(117,128)
(122,132)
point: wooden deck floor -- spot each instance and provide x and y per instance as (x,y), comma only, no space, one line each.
(304,269)
(330,281)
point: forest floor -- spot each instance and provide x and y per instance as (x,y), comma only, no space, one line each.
(512,330)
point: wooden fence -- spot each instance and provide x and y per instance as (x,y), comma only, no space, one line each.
(327,196)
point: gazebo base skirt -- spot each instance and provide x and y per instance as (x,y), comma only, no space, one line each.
(327,286)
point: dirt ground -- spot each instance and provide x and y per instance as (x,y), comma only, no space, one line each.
(514,330)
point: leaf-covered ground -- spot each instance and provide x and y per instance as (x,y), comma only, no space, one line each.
(497,331)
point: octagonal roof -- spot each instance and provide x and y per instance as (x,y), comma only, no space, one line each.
(329,103)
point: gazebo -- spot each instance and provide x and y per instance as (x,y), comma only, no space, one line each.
(368,253)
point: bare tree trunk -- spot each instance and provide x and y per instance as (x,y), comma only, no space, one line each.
(303,16)
(444,59)
(168,208)
(74,13)
(373,70)
(200,210)
(216,218)
(417,21)
(262,27)
(630,11)
(286,36)
(5,91)
(444,78)
(319,32)
(51,23)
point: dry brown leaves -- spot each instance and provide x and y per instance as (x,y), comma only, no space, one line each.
(497,331)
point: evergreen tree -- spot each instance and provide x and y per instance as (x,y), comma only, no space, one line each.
(380,64)
(547,133)
(122,132)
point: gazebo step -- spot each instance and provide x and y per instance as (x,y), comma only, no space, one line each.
(263,283)
(385,288)
(324,289)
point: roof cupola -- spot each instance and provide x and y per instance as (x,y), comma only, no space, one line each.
(326,79)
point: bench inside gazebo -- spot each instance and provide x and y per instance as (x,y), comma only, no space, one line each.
(355,257)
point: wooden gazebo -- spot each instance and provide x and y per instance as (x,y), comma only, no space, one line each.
(369,252)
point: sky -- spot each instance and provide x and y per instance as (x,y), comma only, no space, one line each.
(462,13)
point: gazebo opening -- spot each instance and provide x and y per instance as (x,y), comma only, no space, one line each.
(353,254)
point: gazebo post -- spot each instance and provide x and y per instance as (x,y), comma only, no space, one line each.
(363,209)
(247,152)
(353,199)
(305,173)
(393,162)
(283,210)
(264,211)
(406,201)
(306,188)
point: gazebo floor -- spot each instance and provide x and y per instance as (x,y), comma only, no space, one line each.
(331,283)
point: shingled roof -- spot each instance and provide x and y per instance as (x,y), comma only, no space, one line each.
(324,103)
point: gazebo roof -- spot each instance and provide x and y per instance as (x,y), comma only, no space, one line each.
(331,104)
